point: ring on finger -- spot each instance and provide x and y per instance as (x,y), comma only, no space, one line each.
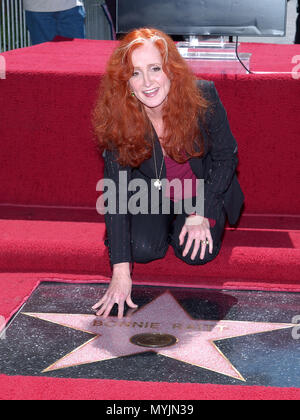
(205,242)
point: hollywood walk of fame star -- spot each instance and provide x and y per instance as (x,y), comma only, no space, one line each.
(195,342)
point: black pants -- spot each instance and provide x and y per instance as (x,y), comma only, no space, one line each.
(151,236)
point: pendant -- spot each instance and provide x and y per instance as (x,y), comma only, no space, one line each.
(158,184)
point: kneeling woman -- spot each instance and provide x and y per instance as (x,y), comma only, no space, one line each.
(155,121)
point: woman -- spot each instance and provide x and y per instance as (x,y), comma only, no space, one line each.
(154,121)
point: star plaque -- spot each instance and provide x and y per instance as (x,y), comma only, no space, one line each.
(175,335)
(194,340)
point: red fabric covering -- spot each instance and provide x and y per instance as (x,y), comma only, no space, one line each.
(15,288)
(251,257)
(30,388)
(48,158)
(49,153)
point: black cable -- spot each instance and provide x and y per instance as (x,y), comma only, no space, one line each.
(237,56)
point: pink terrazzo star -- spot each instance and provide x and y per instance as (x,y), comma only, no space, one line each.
(195,338)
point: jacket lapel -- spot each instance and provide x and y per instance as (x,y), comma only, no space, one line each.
(197,167)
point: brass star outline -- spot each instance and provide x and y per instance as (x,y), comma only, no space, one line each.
(168,300)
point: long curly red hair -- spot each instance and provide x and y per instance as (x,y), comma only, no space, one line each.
(119,119)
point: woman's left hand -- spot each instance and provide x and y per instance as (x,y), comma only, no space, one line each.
(198,230)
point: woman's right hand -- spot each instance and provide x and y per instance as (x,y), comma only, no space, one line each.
(119,292)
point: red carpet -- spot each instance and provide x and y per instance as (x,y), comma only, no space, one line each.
(252,256)
(27,388)
(48,175)
(48,149)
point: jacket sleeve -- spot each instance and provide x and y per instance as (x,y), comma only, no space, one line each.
(221,159)
(118,223)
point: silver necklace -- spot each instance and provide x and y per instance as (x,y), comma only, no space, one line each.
(157,181)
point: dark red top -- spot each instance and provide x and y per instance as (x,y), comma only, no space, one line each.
(182,171)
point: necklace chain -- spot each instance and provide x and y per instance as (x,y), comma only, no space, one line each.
(157,183)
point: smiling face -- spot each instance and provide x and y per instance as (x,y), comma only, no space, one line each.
(149,83)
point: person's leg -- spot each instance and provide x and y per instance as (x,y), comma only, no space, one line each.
(150,236)
(71,22)
(216,233)
(41,26)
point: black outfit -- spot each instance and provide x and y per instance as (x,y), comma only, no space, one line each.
(143,238)
(152,234)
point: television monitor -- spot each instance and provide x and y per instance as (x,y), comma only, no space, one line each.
(204,17)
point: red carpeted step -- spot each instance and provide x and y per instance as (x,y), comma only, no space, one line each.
(54,121)
(249,253)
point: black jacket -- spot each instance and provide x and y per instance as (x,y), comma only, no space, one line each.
(217,168)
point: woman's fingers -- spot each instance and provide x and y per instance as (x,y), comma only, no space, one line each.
(106,304)
(120,309)
(210,242)
(188,245)
(198,238)
(203,249)
(117,293)
(182,235)
(102,307)
(103,304)
(108,309)
(98,304)
(196,248)
(130,303)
